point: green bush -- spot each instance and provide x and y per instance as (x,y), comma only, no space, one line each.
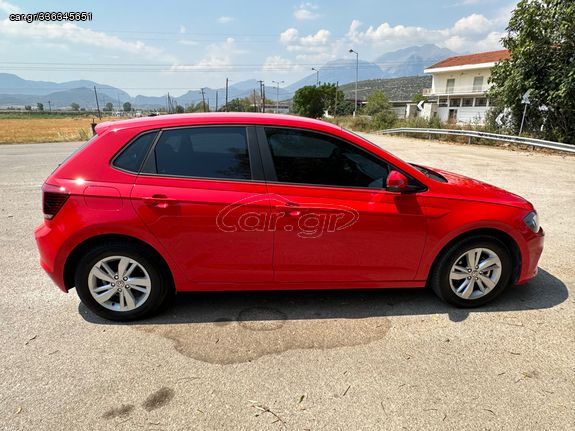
(384,120)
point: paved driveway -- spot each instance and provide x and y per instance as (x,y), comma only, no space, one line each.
(387,359)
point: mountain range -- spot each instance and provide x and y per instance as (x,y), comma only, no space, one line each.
(15,91)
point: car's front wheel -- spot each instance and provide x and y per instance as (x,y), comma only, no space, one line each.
(121,282)
(472,272)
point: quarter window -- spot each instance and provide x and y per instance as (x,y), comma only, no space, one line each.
(131,158)
(312,158)
(208,152)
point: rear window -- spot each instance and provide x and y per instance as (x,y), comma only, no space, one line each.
(206,152)
(131,157)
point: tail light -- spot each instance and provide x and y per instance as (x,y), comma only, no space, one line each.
(53,199)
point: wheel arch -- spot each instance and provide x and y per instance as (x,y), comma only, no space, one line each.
(507,240)
(74,257)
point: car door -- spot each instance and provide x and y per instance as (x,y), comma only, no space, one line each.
(201,194)
(333,221)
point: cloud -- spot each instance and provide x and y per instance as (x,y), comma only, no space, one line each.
(71,34)
(289,36)
(318,41)
(320,38)
(188,42)
(472,24)
(218,56)
(306,12)
(225,19)
(474,32)
(8,7)
(467,3)
(278,64)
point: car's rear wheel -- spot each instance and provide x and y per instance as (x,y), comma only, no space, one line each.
(472,272)
(121,282)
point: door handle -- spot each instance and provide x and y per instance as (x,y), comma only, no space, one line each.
(159,201)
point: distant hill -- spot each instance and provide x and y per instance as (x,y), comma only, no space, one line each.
(411,61)
(407,62)
(13,84)
(397,89)
(341,70)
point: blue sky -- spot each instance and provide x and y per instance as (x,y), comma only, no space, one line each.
(151,47)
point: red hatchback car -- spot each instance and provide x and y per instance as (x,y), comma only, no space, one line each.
(215,202)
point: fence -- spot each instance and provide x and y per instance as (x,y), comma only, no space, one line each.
(484,135)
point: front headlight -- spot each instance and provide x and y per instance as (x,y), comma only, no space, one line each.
(532,221)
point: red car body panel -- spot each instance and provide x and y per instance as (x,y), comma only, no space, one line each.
(388,240)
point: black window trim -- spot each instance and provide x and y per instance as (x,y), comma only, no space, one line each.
(130,142)
(253,155)
(270,172)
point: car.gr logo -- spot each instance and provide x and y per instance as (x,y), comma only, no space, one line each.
(307,220)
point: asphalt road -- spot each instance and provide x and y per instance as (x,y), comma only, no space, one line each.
(386,359)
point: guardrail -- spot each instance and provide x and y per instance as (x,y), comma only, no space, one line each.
(484,135)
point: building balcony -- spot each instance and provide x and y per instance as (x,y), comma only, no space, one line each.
(457,91)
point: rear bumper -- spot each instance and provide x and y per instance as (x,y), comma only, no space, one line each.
(49,242)
(530,254)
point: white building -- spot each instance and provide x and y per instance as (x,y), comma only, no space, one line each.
(459,85)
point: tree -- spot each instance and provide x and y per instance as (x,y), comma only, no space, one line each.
(179,109)
(198,107)
(380,109)
(238,105)
(418,98)
(541,40)
(332,97)
(75,106)
(40,106)
(127,107)
(314,101)
(377,102)
(28,108)
(109,107)
(309,101)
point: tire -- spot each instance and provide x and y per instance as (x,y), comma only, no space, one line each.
(452,288)
(101,267)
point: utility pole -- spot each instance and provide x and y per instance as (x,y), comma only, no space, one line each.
(335,102)
(262,95)
(97,103)
(203,99)
(316,76)
(277,94)
(264,98)
(226,95)
(216,100)
(255,105)
(356,78)
(50,106)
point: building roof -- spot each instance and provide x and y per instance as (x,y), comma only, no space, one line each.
(471,59)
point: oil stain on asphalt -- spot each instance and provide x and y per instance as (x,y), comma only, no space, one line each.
(241,327)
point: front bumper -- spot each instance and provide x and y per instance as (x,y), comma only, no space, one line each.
(530,254)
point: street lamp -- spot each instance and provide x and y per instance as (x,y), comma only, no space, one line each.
(356,77)
(277,94)
(316,76)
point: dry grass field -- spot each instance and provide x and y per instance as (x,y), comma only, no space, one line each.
(19,130)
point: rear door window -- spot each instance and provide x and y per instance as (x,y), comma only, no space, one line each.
(205,152)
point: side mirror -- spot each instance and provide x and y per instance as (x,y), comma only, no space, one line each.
(396,182)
